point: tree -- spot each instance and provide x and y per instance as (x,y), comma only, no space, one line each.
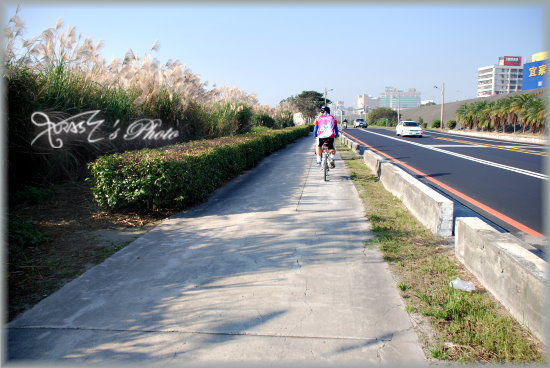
(501,113)
(382,113)
(308,103)
(527,109)
(517,106)
(464,117)
(535,114)
(436,123)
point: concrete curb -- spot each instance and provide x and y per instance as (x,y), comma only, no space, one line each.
(515,276)
(432,209)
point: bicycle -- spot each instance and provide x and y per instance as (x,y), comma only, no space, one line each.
(324,160)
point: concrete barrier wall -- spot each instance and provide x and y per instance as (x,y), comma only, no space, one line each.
(429,207)
(432,209)
(351,144)
(515,276)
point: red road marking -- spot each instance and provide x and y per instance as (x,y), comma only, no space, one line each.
(497,214)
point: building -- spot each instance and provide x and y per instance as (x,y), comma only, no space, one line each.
(394,98)
(366,102)
(503,78)
(337,106)
(534,72)
(543,55)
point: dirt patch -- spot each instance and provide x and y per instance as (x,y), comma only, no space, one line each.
(79,236)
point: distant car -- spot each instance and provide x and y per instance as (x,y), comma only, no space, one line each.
(359,122)
(408,128)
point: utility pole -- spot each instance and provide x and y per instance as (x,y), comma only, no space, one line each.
(442,102)
(326,94)
(398,106)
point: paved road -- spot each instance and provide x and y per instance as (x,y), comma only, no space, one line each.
(507,178)
(272,268)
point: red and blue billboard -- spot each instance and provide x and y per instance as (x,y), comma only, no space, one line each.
(534,75)
(511,60)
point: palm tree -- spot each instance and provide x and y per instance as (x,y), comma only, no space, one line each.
(464,116)
(505,114)
(527,109)
(500,113)
(517,106)
(479,114)
(493,116)
(535,113)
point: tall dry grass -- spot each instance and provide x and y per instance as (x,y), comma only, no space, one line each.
(62,73)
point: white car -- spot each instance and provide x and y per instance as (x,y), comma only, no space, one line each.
(360,123)
(408,128)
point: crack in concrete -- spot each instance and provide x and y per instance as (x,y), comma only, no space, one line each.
(303,187)
(306,301)
(384,344)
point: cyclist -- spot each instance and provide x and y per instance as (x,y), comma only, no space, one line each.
(325,130)
(345,123)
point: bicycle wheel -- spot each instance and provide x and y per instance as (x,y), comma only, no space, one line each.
(325,167)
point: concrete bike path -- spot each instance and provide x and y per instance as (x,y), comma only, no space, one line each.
(272,268)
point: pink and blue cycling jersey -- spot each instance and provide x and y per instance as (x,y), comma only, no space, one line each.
(326,126)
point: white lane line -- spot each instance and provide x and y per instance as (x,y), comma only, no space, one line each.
(478,146)
(457,145)
(478,160)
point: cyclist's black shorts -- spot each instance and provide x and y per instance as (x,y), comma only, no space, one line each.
(330,142)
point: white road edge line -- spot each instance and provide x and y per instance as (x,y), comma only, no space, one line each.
(478,160)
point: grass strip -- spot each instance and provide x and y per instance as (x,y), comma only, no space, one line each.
(465,327)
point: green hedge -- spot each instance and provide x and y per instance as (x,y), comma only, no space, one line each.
(178,176)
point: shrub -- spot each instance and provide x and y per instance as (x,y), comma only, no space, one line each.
(182,175)
(230,118)
(263,120)
(284,119)
(382,112)
(32,195)
(384,122)
(451,124)
(22,233)
(436,124)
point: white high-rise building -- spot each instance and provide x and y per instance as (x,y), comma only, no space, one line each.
(394,98)
(504,78)
(367,102)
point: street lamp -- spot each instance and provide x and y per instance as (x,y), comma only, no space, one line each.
(442,102)
(397,94)
(398,106)
(327,90)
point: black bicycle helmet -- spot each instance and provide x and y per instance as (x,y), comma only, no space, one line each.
(325,109)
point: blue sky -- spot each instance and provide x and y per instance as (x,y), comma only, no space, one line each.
(278,50)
